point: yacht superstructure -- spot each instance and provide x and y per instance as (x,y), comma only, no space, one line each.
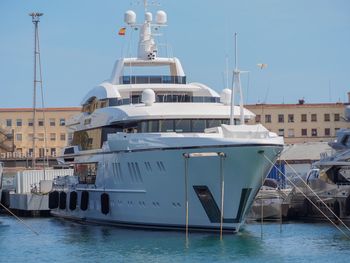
(154,151)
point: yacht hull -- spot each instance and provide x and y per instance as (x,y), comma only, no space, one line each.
(150,188)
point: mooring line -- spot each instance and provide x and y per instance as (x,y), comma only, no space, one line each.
(20,220)
(296,187)
(319,198)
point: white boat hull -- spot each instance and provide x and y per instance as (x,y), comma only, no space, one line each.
(148,188)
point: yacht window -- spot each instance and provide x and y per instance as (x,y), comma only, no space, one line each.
(88,139)
(136,99)
(213,123)
(166,125)
(86,172)
(226,121)
(153,126)
(113,102)
(198,125)
(183,125)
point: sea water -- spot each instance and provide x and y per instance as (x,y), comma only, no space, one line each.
(66,241)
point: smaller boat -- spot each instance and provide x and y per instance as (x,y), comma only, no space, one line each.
(1,172)
(271,202)
(328,184)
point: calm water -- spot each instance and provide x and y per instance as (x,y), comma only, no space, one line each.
(63,241)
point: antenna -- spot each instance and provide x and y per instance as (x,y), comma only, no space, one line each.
(147,48)
(236,86)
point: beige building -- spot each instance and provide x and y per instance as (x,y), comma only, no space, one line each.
(302,122)
(16,127)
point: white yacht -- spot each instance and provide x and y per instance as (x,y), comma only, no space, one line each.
(153,151)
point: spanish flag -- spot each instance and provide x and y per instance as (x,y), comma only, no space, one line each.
(122,31)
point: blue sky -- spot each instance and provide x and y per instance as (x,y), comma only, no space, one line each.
(304,42)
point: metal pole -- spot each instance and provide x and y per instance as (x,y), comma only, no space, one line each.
(262,205)
(186,195)
(233,86)
(222,194)
(35,20)
(34,91)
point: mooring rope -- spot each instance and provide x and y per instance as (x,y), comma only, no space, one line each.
(20,220)
(296,187)
(318,197)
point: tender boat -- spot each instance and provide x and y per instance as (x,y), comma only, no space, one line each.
(271,202)
(153,151)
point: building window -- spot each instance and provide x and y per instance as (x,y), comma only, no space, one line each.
(303,132)
(62,122)
(327,117)
(52,122)
(303,118)
(8,122)
(62,136)
(336,117)
(52,136)
(314,117)
(41,122)
(257,119)
(41,152)
(53,151)
(40,137)
(19,122)
(19,137)
(280,118)
(281,132)
(30,137)
(30,122)
(267,118)
(70,137)
(314,132)
(290,132)
(290,117)
(327,132)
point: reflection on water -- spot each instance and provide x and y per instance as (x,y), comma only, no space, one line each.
(65,241)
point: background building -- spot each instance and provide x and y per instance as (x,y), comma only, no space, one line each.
(302,122)
(16,131)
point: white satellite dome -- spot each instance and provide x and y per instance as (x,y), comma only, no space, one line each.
(161,17)
(148,97)
(130,17)
(225,96)
(148,17)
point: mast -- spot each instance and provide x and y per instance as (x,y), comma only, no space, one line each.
(147,47)
(236,87)
(35,19)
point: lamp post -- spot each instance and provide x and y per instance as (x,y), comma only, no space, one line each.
(35,19)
